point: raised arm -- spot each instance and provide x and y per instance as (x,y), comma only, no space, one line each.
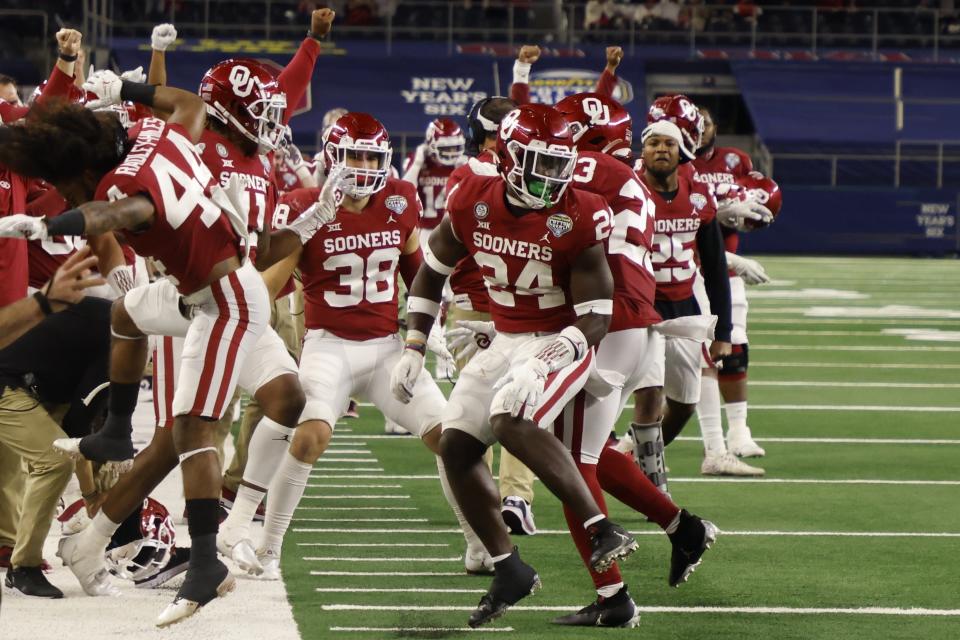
(607,81)
(162,37)
(520,88)
(295,77)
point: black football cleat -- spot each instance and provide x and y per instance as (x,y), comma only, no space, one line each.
(690,541)
(619,610)
(201,586)
(611,542)
(513,581)
(30,581)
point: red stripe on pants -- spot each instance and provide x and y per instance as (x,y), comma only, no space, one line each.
(567,382)
(213,343)
(241,329)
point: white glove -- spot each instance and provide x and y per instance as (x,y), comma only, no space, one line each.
(522,387)
(134,75)
(437,344)
(163,36)
(470,336)
(412,174)
(106,85)
(734,214)
(120,279)
(404,375)
(321,212)
(20,225)
(751,271)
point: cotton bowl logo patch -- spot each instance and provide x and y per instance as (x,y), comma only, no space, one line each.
(397,204)
(732,160)
(559,224)
(222,150)
(698,200)
(481,211)
(551,86)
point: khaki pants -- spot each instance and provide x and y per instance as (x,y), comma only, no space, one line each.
(11,488)
(289,324)
(515,478)
(27,430)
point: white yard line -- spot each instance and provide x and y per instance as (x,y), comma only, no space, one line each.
(370,469)
(852,348)
(862,321)
(345,520)
(347,461)
(853,365)
(361,590)
(421,630)
(410,574)
(392,545)
(853,385)
(362,497)
(343,452)
(653,532)
(326,508)
(354,486)
(841,440)
(872,611)
(852,407)
(715,480)
(392,559)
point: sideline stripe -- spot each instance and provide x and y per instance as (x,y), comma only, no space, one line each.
(363,519)
(851,407)
(873,611)
(354,486)
(326,508)
(348,460)
(410,574)
(854,385)
(415,631)
(366,497)
(863,321)
(340,452)
(649,532)
(356,559)
(372,544)
(854,348)
(853,365)
(757,481)
(354,469)
(360,590)
(842,440)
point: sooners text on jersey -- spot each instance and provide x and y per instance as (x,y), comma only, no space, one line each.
(631,237)
(526,261)
(675,236)
(189,234)
(349,267)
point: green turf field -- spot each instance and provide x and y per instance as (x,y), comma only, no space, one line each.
(842,539)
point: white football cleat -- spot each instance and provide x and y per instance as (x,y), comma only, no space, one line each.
(478,562)
(741,443)
(240,550)
(182,608)
(84,555)
(391,428)
(270,561)
(727,464)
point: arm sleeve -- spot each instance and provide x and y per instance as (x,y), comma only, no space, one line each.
(520,93)
(713,263)
(606,83)
(58,85)
(295,77)
(409,265)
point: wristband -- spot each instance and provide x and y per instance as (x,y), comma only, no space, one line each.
(68,223)
(521,72)
(43,302)
(66,57)
(603,307)
(416,341)
(318,38)
(137,92)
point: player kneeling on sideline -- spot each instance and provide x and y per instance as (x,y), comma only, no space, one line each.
(349,268)
(540,248)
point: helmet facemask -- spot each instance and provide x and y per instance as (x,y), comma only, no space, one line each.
(359,182)
(448,150)
(540,174)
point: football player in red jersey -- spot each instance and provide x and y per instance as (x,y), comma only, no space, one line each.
(430,166)
(349,270)
(539,245)
(717,166)
(152,187)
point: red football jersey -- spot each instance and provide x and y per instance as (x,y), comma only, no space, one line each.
(466,279)
(631,238)
(13,251)
(723,165)
(349,268)
(432,189)
(225,160)
(189,234)
(526,261)
(675,236)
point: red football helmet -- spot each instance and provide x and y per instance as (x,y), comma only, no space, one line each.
(353,141)
(598,123)
(149,551)
(244,94)
(762,190)
(681,111)
(537,154)
(445,142)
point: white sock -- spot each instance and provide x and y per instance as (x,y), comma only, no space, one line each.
(497,559)
(610,590)
(103,526)
(674,524)
(708,414)
(473,541)
(736,415)
(270,440)
(285,493)
(241,514)
(594,520)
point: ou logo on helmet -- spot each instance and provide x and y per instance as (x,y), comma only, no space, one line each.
(509,123)
(598,112)
(242,80)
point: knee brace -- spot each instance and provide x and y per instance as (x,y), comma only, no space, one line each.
(735,365)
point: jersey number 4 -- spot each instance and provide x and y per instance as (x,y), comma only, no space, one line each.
(535,279)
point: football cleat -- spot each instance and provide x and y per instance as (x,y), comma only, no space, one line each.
(84,555)
(178,563)
(391,428)
(727,464)
(619,610)
(610,542)
(270,561)
(741,443)
(478,562)
(200,587)
(240,550)
(115,456)
(226,504)
(513,581)
(690,541)
(517,514)
(30,581)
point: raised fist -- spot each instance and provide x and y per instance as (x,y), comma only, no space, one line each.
(529,53)
(68,41)
(163,36)
(614,56)
(321,20)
